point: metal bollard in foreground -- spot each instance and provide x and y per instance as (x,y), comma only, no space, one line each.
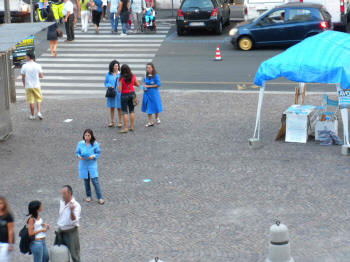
(279,248)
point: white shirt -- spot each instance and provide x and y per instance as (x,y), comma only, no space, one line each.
(67,7)
(31,71)
(137,6)
(38,225)
(64,221)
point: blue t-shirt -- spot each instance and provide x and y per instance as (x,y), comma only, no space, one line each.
(98,3)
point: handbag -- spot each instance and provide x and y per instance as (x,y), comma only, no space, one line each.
(59,32)
(111,91)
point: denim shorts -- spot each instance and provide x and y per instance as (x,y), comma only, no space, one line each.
(126,103)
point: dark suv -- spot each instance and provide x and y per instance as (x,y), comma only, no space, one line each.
(207,14)
(284,25)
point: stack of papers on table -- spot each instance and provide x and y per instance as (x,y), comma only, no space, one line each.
(300,109)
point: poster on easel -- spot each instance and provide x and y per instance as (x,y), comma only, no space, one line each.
(343,97)
(19,54)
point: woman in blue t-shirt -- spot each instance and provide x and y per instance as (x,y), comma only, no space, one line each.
(151,102)
(96,13)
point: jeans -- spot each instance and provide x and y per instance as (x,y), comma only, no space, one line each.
(114,21)
(39,250)
(4,253)
(69,25)
(85,20)
(96,185)
(124,27)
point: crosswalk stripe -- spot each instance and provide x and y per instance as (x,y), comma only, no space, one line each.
(65,84)
(59,49)
(44,65)
(120,37)
(116,54)
(84,72)
(130,41)
(107,60)
(78,45)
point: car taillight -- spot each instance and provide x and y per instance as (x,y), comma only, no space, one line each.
(324,25)
(301,1)
(342,6)
(214,13)
(245,10)
(179,13)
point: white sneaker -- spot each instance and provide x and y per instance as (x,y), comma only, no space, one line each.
(40,116)
(158,120)
(31,117)
(122,34)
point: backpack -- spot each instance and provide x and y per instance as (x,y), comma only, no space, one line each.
(24,243)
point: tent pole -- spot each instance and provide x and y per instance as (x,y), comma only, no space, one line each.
(345,118)
(254,142)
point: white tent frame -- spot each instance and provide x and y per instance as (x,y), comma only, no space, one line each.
(256,136)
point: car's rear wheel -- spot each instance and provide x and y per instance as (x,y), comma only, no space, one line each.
(219,27)
(180,31)
(245,43)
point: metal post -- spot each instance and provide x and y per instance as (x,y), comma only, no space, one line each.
(31,8)
(172,8)
(7,16)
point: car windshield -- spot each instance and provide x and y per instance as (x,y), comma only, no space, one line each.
(263,14)
(198,4)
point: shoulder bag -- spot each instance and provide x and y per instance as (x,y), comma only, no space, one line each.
(135,101)
(111,91)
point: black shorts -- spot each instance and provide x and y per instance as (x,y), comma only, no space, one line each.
(126,103)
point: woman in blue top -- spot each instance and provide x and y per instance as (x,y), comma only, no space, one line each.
(88,151)
(151,103)
(112,81)
(96,13)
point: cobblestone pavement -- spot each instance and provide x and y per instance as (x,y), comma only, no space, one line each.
(210,199)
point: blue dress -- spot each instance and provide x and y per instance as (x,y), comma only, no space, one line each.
(87,166)
(151,102)
(110,80)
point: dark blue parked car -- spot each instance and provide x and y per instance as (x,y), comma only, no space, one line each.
(284,25)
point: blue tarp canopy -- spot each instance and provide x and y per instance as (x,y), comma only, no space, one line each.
(323,58)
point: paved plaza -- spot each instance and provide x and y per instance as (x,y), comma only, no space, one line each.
(210,198)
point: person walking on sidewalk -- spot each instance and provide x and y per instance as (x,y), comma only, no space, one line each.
(96,14)
(151,102)
(6,231)
(68,223)
(104,9)
(88,151)
(113,14)
(37,229)
(127,82)
(68,15)
(84,14)
(31,72)
(112,81)
(137,13)
(123,12)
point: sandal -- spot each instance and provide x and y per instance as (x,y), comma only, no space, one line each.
(158,121)
(119,125)
(131,129)
(149,125)
(111,124)
(101,201)
(88,199)
(123,131)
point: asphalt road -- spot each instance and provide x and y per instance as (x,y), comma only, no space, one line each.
(187,62)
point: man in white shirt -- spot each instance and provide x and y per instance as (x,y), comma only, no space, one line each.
(137,7)
(31,72)
(68,223)
(113,12)
(68,14)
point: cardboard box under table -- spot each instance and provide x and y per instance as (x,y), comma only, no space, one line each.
(300,124)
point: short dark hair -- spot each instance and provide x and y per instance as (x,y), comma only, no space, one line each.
(111,66)
(69,189)
(33,208)
(93,139)
(31,55)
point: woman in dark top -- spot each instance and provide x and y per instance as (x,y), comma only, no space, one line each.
(96,14)
(123,12)
(6,231)
(52,36)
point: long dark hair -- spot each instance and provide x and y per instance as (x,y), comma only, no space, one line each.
(125,72)
(50,16)
(33,208)
(111,66)
(93,139)
(154,71)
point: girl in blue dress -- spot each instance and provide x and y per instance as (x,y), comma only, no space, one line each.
(151,102)
(112,81)
(88,151)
